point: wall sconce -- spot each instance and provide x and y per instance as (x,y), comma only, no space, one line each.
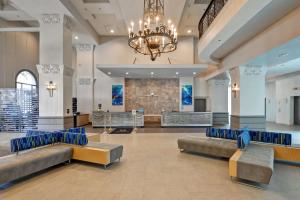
(51,87)
(235,89)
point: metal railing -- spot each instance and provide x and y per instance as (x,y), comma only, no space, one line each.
(210,14)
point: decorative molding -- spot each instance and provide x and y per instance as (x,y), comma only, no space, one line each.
(85,47)
(67,22)
(254,70)
(49,68)
(84,81)
(51,18)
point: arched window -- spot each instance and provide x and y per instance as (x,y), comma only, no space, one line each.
(25,80)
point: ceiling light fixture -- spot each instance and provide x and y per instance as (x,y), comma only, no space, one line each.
(76,37)
(112,31)
(189,31)
(127,73)
(153,37)
(177,73)
(152,73)
(109,73)
(194,73)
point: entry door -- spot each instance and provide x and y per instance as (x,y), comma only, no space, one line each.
(297,110)
(200,105)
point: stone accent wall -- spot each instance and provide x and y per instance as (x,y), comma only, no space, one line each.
(166,95)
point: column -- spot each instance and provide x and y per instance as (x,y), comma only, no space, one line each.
(218,100)
(248,97)
(55,111)
(85,78)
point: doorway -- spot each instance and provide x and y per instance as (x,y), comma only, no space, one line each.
(297,110)
(200,105)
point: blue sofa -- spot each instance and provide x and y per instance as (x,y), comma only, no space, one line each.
(257,136)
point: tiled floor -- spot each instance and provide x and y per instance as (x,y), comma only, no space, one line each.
(151,168)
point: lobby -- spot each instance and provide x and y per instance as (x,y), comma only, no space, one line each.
(149,99)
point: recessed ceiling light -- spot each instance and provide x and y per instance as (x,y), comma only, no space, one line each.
(194,73)
(109,73)
(177,73)
(112,31)
(189,31)
(127,73)
(76,37)
(152,73)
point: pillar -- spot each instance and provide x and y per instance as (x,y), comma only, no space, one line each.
(55,112)
(218,100)
(248,97)
(85,78)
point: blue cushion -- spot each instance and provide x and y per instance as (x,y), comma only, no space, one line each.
(76,130)
(243,139)
(40,138)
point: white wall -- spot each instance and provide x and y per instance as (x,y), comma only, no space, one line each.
(200,87)
(84,78)
(103,92)
(271,102)
(285,99)
(116,51)
(266,40)
(250,99)
(252,94)
(218,95)
(186,81)
(18,50)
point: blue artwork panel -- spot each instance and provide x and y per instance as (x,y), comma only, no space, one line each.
(117,95)
(187,95)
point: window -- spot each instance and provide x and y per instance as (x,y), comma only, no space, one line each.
(26,81)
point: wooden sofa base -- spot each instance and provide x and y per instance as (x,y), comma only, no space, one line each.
(92,155)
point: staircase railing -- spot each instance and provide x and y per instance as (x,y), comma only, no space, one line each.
(210,14)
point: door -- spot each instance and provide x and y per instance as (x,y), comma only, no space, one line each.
(297,110)
(200,105)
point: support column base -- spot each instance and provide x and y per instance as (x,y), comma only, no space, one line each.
(220,118)
(250,122)
(55,123)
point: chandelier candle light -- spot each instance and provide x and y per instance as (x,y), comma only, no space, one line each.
(153,36)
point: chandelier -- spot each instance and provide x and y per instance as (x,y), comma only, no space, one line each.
(153,35)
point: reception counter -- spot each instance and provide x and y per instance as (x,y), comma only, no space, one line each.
(116,119)
(186,119)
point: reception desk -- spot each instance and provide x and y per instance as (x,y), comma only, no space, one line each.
(186,119)
(116,119)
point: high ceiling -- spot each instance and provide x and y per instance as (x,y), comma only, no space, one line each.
(106,15)
(116,15)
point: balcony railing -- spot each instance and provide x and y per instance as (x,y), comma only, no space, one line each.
(209,15)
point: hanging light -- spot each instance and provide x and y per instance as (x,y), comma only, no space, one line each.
(153,37)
